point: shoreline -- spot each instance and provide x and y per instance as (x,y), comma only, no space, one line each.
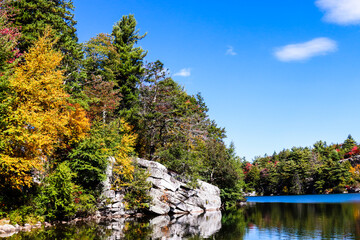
(7,229)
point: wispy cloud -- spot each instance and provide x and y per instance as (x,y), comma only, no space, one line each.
(342,12)
(185,72)
(230,51)
(306,50)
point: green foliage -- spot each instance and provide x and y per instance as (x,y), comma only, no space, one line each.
(89,161)
(223,169)
(114,58)
(332,177)
(9,56)
(167,124)
(137,191)
(128,73)
(25,214)
(349,143)
(175,129)
(85,204)
(168,116)
(57,196)
(179,159)
(33,16)
(303,170)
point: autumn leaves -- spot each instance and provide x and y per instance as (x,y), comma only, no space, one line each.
(41,118)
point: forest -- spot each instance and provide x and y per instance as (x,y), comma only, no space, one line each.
(323,168)
(66,107)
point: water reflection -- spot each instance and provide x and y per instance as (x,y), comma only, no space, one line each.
(254,221)
(186,226)
(80,231)
(161,227)
(293,221)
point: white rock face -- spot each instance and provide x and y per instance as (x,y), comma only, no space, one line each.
(7,230)
(158,206)
(172,196)
(169,195)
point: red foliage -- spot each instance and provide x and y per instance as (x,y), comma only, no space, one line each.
(354,151)
(247,168)
(9,36)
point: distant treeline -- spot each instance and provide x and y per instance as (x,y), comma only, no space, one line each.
(305,170)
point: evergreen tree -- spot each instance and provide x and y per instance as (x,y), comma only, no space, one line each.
(114,58)
(130,67)
(32,16)
(349,143)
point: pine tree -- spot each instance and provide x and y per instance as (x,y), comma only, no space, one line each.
(32,16)
(130,69)
(349,143)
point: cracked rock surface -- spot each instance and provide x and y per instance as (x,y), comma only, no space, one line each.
(171,195)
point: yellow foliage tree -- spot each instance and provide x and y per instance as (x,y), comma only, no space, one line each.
(355,172)
(123,167)
(41,118)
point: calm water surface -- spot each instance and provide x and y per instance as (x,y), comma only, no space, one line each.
(284,217)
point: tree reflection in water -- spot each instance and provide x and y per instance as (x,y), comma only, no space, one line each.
(253,221)
(292,221)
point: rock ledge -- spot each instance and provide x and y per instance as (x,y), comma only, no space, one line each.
(170,194)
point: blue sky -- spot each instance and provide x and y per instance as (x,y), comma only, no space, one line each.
(275,74)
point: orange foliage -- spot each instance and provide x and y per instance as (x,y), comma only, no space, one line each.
(355,172)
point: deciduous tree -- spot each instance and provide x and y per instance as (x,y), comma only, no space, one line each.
(40,118)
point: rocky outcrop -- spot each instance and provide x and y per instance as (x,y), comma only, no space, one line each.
(112,204)
(170,193)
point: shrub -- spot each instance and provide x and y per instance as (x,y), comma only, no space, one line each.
(25,214)
(57,196)
(137,191)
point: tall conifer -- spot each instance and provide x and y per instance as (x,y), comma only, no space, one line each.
(32,16)
(130,69)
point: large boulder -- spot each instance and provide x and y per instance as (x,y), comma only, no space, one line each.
(169,195)
(7,230)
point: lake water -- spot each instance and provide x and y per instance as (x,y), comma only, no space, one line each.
(281,217)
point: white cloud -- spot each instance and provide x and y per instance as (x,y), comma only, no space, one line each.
(306,50)
(185,72)
(230,51)
(342,12)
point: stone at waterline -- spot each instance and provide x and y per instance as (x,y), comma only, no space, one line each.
(169,195)
(158,205)
(174,193)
